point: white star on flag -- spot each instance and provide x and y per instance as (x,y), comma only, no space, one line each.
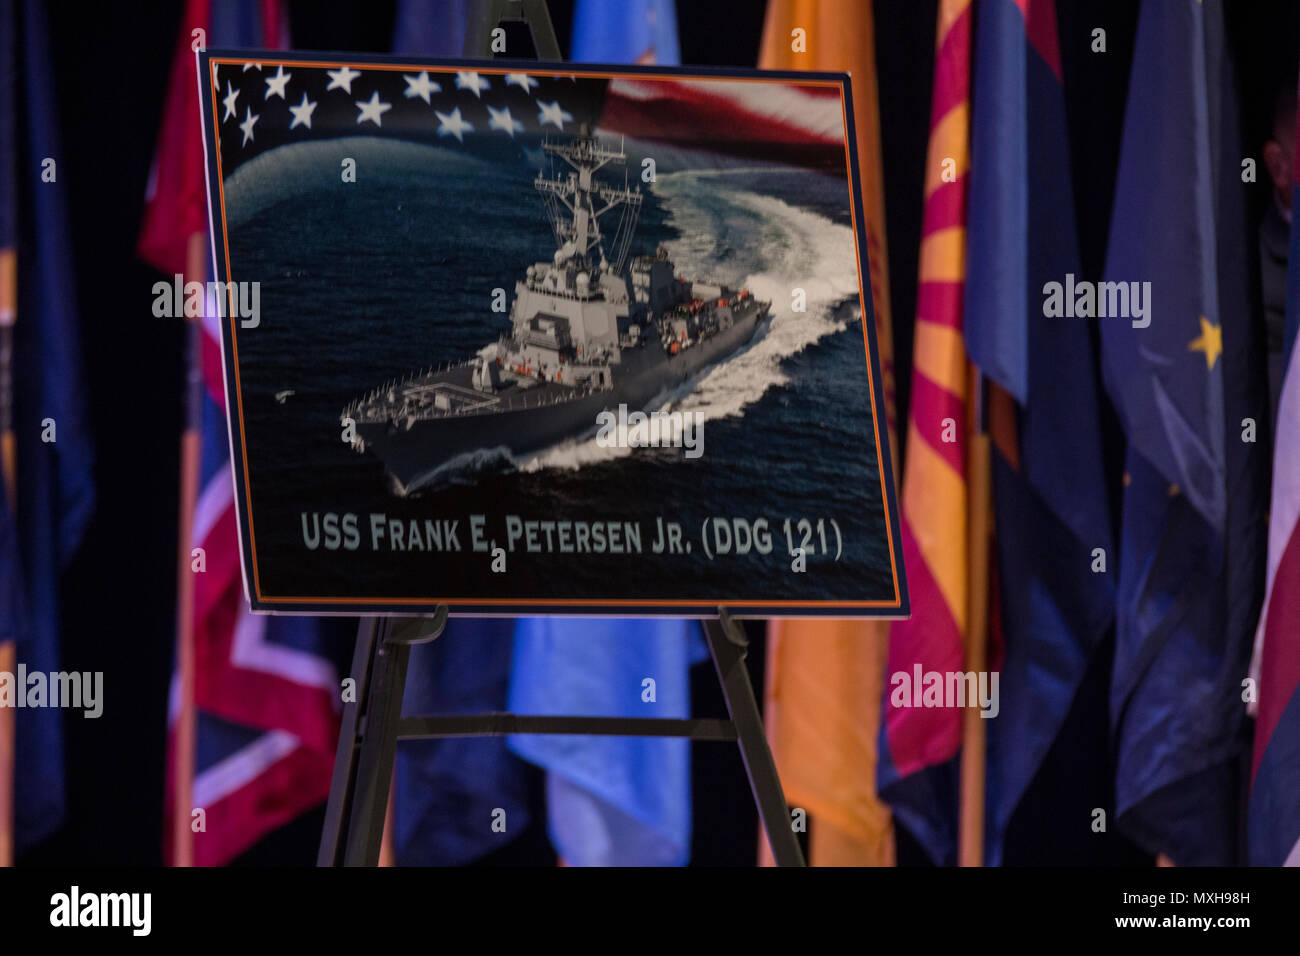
(247,125)
(373,110)
(521,80)
(251,66)
(302,113)
(421,86)
(342,79)
(473,82)
(502,120)
(232,94)
(451,124)
(275,84)
(553,113)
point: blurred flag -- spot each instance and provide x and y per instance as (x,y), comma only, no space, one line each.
(612,800)
(1275,772)
(265,691)
(824,678)
(446,790)
(176,205)
(10,589)
(631,31)
(49,483)
(1049,484)
(1190,574)
(424,29)
(11,575)
(824,683)
(917,773)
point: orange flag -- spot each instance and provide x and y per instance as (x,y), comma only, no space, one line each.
(824,678)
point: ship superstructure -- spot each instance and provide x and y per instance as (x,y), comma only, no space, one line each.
(590,329)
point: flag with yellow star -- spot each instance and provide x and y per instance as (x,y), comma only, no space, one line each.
(1180,367)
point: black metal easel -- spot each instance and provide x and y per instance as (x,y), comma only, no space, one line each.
(372,726)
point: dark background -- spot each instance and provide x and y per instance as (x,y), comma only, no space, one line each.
(119,613)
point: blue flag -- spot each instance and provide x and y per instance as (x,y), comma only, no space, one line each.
(426,29)
(1049,486)
(1185,372)
(449,790)
(632,31)
(54,490)
(612,800)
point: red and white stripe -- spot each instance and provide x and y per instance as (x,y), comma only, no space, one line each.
(801,124)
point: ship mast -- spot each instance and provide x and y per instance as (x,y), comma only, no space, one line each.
(577,226)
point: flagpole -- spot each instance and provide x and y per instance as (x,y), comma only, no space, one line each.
(184,731)
(974,740)
(9,474)
(388,844)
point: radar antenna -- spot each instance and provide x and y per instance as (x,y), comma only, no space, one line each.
(571,203)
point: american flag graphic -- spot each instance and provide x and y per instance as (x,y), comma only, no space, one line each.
(260,106)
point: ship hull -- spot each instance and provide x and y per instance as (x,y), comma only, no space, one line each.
(414,455)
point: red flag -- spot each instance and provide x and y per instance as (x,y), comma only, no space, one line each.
(175,208)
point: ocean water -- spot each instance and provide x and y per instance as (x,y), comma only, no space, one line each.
(366,282)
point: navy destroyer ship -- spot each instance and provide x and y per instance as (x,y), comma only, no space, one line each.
(589,331)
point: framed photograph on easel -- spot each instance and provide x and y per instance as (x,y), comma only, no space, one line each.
(557,339)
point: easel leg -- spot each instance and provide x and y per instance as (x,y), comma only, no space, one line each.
(727,645)
(345,758)
(363,765)
(378,750)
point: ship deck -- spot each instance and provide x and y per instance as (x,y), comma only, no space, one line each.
(450,393)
